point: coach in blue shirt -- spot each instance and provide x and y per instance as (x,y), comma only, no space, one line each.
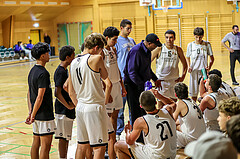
(137,71)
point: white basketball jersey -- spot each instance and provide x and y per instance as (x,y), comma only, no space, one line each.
(198,54)
(167,64)
(161,137)
(211,115)
(227,90)
(86,82)
(110,61)
(192,123)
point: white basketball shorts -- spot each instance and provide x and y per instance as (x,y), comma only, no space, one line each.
(41,128)
(64,127)
(116,94)
(92,124)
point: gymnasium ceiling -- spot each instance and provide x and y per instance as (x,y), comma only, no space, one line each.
(31,13)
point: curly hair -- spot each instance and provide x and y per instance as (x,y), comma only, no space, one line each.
(229,106)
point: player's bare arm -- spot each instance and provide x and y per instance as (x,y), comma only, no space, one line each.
(189,64)
(210,63)
(164,99)
(58,95)
(71,90)
(29,108)
(156,53)
(37,104)
(184,63)
(98,64)
(138,126)
(202,89)
(207,102)
(179,108)
(65,85)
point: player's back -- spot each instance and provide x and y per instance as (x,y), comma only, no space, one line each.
(192,123)
(211,115)
(86,82)
(227,90)
(161,137)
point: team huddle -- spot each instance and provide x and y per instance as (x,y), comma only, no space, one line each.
(113,69)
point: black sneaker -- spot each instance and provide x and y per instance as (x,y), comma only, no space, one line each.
(235,83)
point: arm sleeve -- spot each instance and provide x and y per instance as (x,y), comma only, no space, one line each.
(189,50)
(225,38)
(43,80)
(133,66)
(209,49)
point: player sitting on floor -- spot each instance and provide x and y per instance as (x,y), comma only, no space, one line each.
(209,104)
(189,115)
(159,130)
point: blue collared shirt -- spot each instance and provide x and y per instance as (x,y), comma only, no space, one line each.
(138,65)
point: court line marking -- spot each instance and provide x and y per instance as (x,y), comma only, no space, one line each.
(18,146)
(11,124)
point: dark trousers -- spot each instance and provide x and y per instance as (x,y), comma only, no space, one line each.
(133,94)
(21,52)
(233,57)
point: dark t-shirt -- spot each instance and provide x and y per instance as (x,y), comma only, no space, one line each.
(60,76)
(40,78)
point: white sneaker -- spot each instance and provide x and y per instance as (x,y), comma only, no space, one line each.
(21,58)
(25,58)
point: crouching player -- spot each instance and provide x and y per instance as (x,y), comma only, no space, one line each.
(158,127)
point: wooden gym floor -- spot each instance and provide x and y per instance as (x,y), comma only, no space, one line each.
(16,136)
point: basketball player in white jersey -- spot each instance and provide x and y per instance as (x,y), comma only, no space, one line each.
(197,59)
(85,90)
(167,59)
(110,60)
(159,130)
(224,88)
(209,104)
(189,115)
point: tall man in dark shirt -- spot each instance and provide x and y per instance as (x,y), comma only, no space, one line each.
(137,71)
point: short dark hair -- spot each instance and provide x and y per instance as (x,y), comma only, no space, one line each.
(82,47)
(198,31)
(170,32)
(111,32)
(125,22)
(234,26)
(147,101)
(233,130)
(66,51)
(30,41)
(95,39)
(215,82)
(39,49)
(181,90)
(215,71)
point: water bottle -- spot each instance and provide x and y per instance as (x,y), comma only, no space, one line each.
(147,85)
(204,74)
